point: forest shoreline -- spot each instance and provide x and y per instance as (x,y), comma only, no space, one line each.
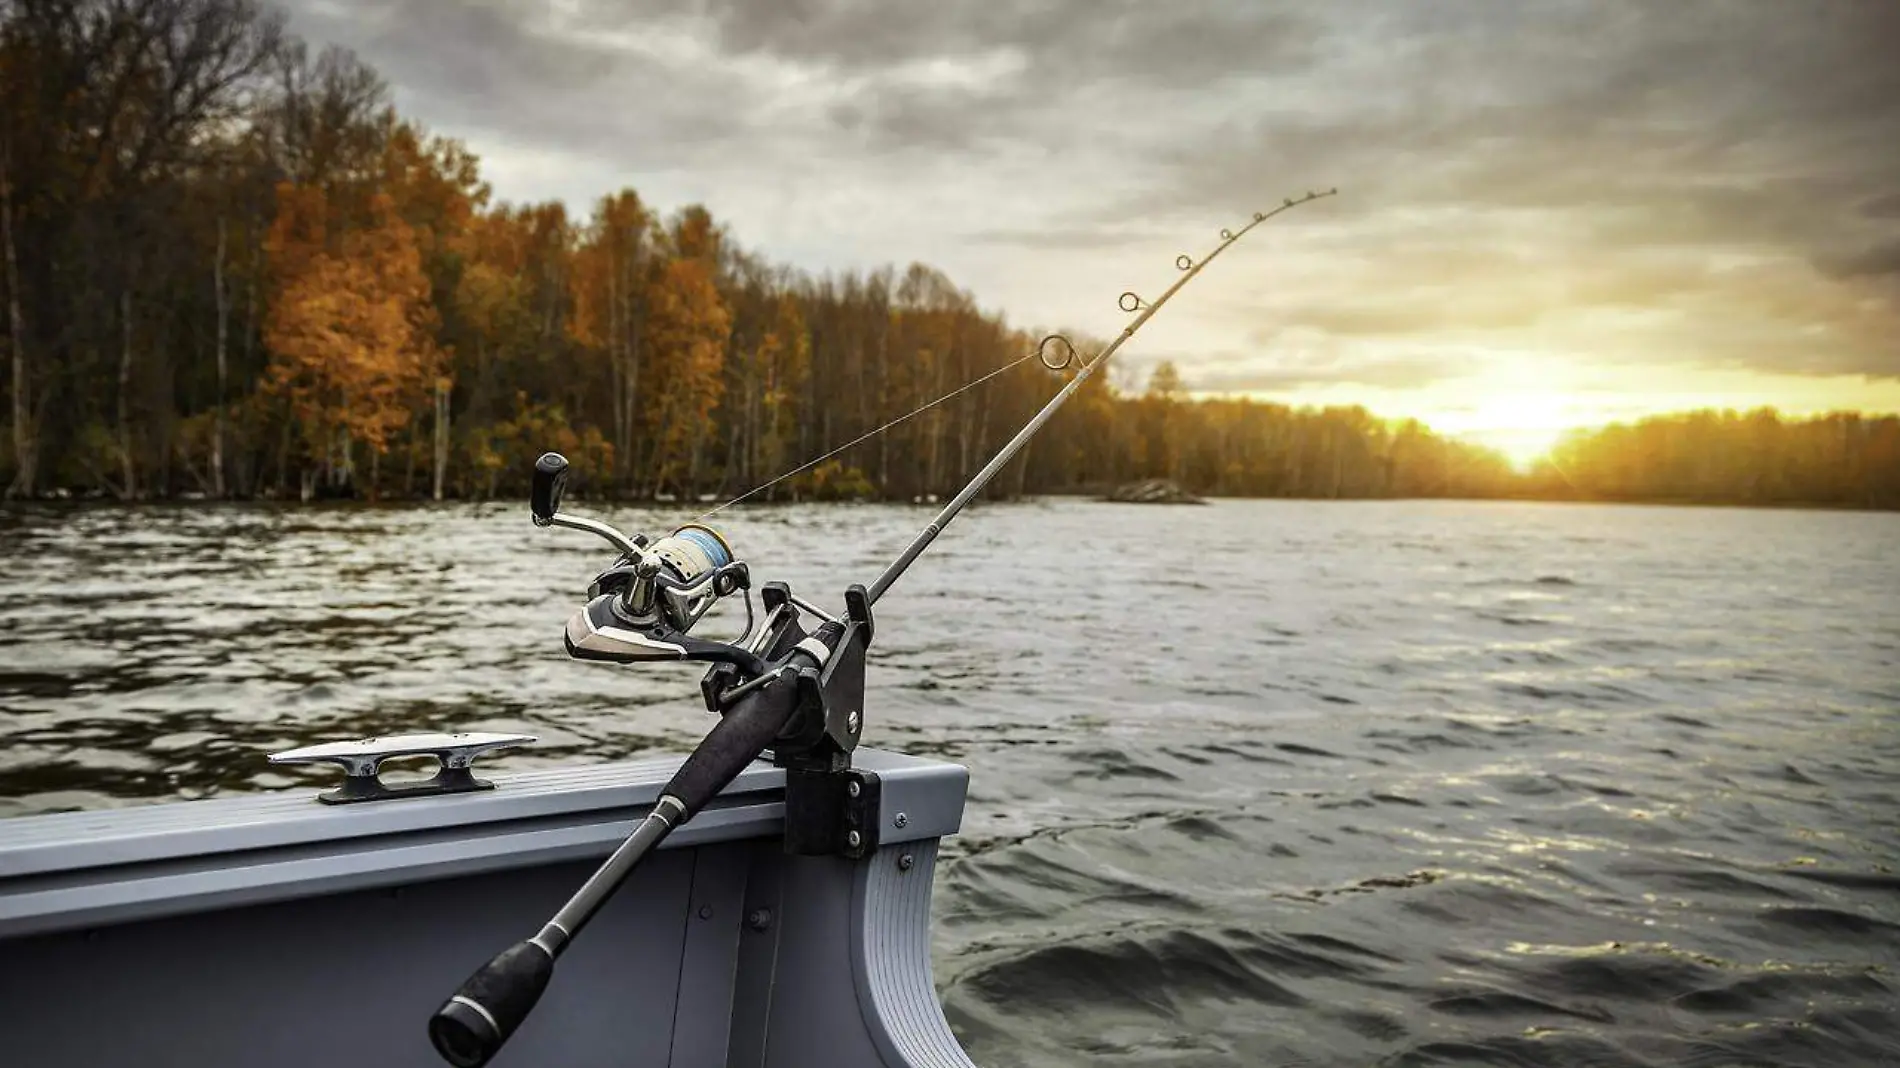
(101,499)
(241,273)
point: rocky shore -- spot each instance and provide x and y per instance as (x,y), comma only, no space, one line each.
(1153,491)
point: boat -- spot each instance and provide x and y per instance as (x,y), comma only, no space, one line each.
(278,930)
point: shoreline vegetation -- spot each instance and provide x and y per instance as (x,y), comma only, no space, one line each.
(1097,493)
(229,269)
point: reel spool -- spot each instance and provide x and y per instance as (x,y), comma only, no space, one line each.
(692,551)
(681,576)
(676,579)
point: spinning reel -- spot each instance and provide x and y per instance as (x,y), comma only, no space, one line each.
(643,606)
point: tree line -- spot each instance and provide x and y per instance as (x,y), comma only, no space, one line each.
(231,269)
(1842,459)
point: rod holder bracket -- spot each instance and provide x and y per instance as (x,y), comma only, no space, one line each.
(832,813)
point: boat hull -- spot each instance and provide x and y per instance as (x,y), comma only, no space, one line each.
(275,930)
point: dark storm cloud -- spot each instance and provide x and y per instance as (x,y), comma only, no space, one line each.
(1727,169)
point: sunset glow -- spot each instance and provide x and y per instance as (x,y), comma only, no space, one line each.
(1522,426)
(1514,415)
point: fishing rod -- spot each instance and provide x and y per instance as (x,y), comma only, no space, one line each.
(778,686)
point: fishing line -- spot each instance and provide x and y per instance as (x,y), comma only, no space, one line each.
(1039,354)
(1128,302)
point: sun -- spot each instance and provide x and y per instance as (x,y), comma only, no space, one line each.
(1522,425)
(1525,447)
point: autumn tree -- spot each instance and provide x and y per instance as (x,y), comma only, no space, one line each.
(610,296)
(493,303)
(687,335)
(351,331)
(778,371)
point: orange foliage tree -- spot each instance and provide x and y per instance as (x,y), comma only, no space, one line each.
(689,326)
(351,330)
(610,307)
(782,366)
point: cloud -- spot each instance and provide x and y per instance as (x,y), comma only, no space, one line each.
(1696,184)
(1881,259)
(1289,375)
(1295,358)
(1886,206)
(1082,238)
(1066,43)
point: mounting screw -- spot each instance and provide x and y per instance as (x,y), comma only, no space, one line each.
(854,839)
(901,820)
(759,919)
(852,722)
(854,788)
(906,862)
(705,912)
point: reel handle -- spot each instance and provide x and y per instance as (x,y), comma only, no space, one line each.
(544,503)
(550,483)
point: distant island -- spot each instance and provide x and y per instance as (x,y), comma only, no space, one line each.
(237,272)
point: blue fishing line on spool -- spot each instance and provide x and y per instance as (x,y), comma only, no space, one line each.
(716,550)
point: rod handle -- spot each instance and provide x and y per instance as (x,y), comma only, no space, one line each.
(737,739)
(471,1026)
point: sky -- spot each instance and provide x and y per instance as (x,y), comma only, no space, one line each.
(1550,214)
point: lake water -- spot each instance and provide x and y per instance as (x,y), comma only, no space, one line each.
(1261,783)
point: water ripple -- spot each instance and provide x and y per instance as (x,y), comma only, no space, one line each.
(1393,783)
